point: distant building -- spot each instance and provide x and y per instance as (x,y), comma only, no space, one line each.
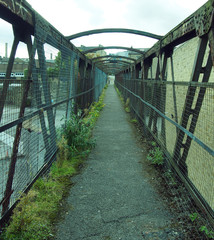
(19,65)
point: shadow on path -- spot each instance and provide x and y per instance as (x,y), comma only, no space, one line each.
(111,198)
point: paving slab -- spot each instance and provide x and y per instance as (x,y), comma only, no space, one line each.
(111,198)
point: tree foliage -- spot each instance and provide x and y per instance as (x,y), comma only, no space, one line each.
(53,72)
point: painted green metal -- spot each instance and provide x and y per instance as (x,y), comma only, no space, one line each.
(114,30)
(113,47)
(118,61)
(113,56)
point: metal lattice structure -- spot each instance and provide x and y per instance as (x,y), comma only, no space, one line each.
(33,107)
(170,87)
(171,92)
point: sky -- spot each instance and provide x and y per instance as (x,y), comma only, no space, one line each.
(73,16)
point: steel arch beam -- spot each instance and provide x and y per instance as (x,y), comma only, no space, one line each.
(113,30)
(112,61)
(112,65)
(113,47)
(113,56)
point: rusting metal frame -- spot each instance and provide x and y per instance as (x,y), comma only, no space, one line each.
(154,98)
(113,30)
(91,83)
(179,158)
(85,85)
(193,137)
(71,87)
(137,84)
(107,66)
(8,73)
(80,100)
(76,84)
(211,35)
(8,191)
(113,61)
(110,68)
(173,89)
(59,81)
(88,82)
(196,110)
(163,94)
(119,64)
(15,11)
(178,83)
(113,57)
(132,84)
(187,182)
(113,47)
(38,98)
(21,13)
(157,94)
(46,91)
(146,65)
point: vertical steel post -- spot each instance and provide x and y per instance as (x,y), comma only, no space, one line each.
(12,166)
(46,91)
(8,73)
(178,157)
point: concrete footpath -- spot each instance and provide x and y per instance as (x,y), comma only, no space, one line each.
(112,198)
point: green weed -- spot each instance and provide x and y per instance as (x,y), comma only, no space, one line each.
(134,120)
(207,232)
(35,214)
(194,216)
(155,156)
(170,177)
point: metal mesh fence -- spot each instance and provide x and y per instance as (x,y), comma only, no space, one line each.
(178,114)
(52,84)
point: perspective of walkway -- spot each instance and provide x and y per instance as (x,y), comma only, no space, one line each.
(111,198)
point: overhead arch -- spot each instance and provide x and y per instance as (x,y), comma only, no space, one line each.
(120,66)
(113,56)
(113,47)
(112,70)
(112,61)
(113,30)
(112,66)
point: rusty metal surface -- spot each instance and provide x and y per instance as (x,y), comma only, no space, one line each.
(114,47)
(10,10)
(112,57)
(20,8)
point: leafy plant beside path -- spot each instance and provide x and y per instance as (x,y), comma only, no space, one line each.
(37,211)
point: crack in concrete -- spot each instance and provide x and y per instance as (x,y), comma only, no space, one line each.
(123,217)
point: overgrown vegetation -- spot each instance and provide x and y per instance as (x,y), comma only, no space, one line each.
(195,219)
(125,103)
(155,155)
(35,214)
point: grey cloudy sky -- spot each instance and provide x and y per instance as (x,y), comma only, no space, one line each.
(73,16)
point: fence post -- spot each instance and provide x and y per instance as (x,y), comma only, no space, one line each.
(8,191)
(179,158)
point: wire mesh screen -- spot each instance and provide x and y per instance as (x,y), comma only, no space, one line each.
(36,100)
(179,114)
